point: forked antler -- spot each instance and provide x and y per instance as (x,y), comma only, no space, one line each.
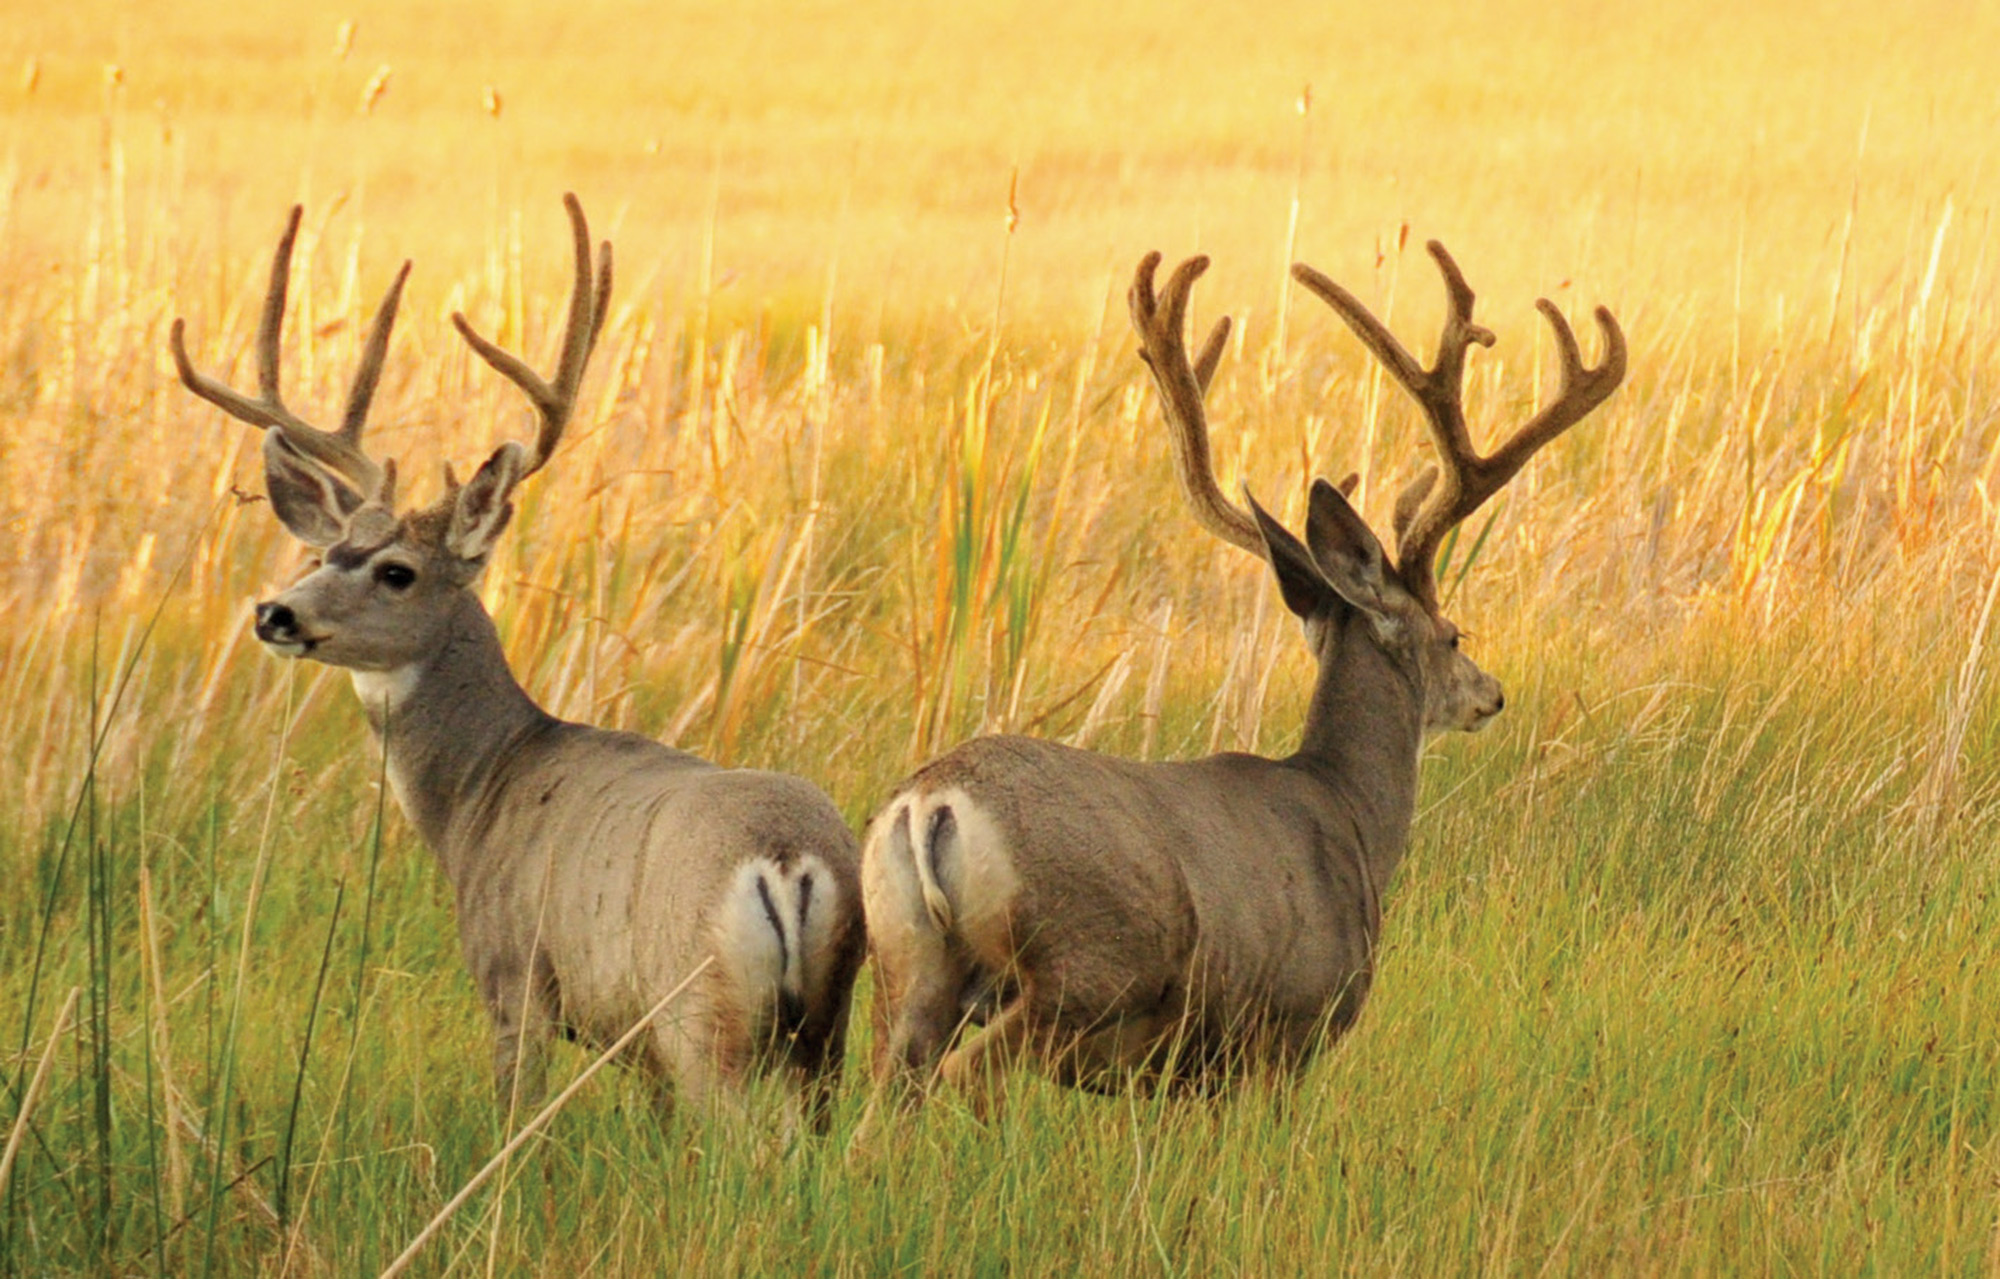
(589,298)
(338,450)
(1162,323)
(1429,509)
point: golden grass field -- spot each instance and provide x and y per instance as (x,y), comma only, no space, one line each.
(1694,966)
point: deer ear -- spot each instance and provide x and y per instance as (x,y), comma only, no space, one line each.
(1347,553)
(480,509)
(1305,588)
(310,500)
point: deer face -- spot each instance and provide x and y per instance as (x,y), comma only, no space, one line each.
(385,587)
(1338,577)
(1458,695)
(378,599)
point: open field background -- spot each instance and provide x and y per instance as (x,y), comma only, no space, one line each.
(1695,963)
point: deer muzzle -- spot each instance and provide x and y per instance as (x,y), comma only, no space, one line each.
(278,628)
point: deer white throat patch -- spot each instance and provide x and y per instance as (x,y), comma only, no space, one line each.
(390,689)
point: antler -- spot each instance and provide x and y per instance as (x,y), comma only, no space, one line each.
(588,300)
(338,450)
(1162,323)
(1429,509)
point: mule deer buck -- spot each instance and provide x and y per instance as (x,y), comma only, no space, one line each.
(1172,922)
(593,870)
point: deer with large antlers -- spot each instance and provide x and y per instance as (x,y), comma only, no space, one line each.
(594,871)
(1108,919)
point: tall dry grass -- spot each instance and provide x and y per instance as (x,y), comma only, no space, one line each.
(1692,966)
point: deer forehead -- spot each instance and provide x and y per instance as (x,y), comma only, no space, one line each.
(420,534)
(370,531)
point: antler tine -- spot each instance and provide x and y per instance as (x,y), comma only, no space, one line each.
(272,323)
(589,301)
(1469,479)
(1439,499)
(1438,389)
(1583,389)
(1181,384)
(338,450)
(361,393)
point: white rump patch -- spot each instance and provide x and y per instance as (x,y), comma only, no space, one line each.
(937,860)
(775,927)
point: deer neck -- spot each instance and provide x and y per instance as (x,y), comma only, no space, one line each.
(449,723)
(1363,733)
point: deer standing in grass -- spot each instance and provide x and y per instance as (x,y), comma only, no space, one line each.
(593,870)
(1109,919)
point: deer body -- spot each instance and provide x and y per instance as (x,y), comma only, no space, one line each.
(593,870)
(1109,918)
(1159,915)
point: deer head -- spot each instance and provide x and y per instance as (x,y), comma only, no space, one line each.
(1340,569)
(385,584)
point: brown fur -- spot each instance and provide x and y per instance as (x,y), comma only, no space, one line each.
(1172,921)
(1112,919)
(593,870)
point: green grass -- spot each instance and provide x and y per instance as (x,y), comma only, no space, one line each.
(1692,967)
(1614,1028)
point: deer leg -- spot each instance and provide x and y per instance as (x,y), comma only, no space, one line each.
(1109,1052)
(979,1066)
(519,1001)
(814,1059)
(706,1061)
(520,1056)
(925,1016)
(917,1011)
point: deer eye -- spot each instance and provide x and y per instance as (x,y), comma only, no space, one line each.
(396,577)
(1455,639)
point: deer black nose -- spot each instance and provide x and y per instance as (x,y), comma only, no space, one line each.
(1499,702)
(276,623)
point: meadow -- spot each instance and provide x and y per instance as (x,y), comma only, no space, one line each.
(1694,963)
